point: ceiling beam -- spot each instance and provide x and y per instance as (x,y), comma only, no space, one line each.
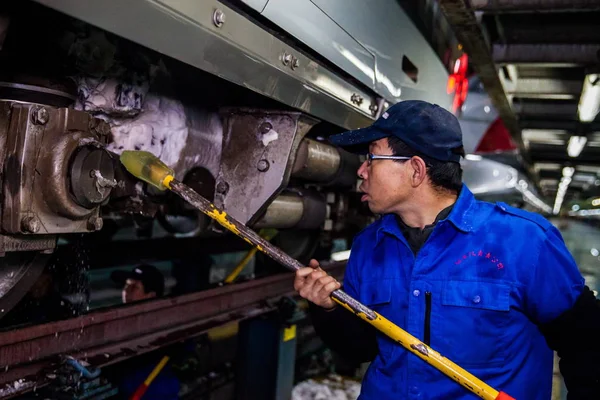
(561,157)
(564,54)
(545,88)
(534,5)
(469,33)
(549,109)
(574,126)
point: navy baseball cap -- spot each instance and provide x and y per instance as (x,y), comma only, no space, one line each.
(426,128)
(149,275)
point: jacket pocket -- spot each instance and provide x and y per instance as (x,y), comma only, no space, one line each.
(377,295)
(472,321)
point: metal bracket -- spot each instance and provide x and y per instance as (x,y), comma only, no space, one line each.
(40,144)
(259,149)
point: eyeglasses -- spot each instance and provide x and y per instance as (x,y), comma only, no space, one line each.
(371,157)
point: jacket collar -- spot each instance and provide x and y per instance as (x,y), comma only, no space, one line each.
(461,217)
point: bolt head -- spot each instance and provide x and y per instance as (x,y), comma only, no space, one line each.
(222,187)
(263,165)
(219,18)
(295,63)
(356,99)
(265,127)
(286,58)
(95,223)
(31,224)
(40,116)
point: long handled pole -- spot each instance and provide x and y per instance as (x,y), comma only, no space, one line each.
(149,168)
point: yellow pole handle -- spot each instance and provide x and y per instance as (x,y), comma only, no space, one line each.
(432,357)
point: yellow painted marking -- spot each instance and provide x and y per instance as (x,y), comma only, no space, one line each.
(167,181)
(156,370)
(224,332)
(289,333)
(221,218)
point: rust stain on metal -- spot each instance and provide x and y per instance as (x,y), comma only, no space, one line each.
(421,348)
(124,331)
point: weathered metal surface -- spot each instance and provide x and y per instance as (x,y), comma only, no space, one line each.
(27,243)
(36,189)
(300,210)
(565,54)
(239,51)
(316,161)
(259,149)
(18,272)
(116,334)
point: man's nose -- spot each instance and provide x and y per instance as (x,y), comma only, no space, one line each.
(362,170)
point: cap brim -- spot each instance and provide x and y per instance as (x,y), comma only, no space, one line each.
(120,277)
(357,141)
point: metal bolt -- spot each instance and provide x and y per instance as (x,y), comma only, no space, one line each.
(295,63)
(265,127)
(263,165)
(31,224)
(222,187)
(40,116)
(219,18)
(95,223)
(373,107)
(286,59)
(99,127)
(356,99)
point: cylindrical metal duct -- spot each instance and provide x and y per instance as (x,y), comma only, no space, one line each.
(323,163)
(292,210)
(316,161)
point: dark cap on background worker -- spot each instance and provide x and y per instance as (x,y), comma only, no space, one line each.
(141,283)
(491,287)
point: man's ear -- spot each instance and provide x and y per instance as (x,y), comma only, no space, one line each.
(419,172)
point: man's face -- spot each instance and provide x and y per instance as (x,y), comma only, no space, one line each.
(134,291)
(386,183)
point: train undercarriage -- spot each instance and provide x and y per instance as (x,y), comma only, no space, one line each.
(237,108)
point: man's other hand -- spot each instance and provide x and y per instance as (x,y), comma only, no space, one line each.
(313,284)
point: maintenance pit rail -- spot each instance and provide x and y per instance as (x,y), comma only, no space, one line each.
(29,356)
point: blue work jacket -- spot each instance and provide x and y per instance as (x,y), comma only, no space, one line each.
(487,276)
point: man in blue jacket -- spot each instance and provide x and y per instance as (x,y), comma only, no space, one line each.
(489,286)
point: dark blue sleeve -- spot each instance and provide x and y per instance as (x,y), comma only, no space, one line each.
(555,282)
(341,330)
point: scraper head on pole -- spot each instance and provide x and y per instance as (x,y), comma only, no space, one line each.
(147,167)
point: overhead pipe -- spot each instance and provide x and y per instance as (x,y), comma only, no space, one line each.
(320,162)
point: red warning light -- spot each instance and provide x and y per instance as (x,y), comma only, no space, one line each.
(458,82)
